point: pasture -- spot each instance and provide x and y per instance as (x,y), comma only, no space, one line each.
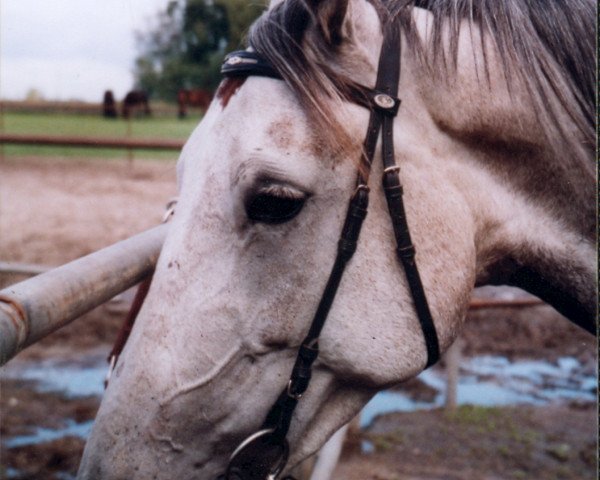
(87,125)
(81,204)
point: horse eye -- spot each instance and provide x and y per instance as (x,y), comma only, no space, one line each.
(274,205)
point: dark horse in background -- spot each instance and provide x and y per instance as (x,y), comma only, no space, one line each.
(196,97)
(109,106)
(135,101)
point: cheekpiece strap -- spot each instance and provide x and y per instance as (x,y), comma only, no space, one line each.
(243,63)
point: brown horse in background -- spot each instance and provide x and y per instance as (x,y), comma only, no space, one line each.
(196,97)
(135,100)
(109,106)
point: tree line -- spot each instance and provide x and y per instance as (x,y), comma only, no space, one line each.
(186,44)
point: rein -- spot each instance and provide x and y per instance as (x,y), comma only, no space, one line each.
(134,309)
(263,455)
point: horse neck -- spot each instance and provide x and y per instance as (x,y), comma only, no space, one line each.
(531,204)
(548,256)
(538,232)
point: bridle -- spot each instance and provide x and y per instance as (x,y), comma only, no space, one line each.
(263,455)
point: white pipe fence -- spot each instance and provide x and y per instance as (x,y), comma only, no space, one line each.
(36,307)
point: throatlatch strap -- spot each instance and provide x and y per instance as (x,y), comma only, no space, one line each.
(405,249)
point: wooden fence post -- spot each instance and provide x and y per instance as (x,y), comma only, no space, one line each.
(452,357)
(129,149)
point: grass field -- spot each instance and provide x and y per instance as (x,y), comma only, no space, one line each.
(93,126)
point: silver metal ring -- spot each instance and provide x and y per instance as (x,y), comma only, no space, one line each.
(249,440)
(247,444)
(394,168)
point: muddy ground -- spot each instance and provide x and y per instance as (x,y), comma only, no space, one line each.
(55,210)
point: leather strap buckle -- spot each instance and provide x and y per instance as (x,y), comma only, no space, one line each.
(406,252)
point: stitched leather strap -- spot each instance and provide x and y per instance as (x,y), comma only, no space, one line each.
(280,415)
(243,63)
(393,194)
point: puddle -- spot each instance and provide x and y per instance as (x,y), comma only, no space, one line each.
(42,435)
(12,473)
(483,380)
(496,381)
(80,376)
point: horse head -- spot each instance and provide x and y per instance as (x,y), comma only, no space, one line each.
(496,165)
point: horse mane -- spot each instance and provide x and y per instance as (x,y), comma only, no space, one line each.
(547,46)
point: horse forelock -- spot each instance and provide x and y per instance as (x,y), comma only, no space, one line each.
(306,66)
(547,48)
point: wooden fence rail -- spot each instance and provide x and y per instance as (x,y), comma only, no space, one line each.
(159,109)
(93,142)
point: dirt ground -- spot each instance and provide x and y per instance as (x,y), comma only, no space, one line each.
(55,210)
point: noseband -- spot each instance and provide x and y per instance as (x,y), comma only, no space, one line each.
(263,455)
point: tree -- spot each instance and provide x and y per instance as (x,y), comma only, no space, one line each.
(184,49)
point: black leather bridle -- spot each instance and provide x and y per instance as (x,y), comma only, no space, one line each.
(263,455)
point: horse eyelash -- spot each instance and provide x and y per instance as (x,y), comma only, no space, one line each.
(281,191)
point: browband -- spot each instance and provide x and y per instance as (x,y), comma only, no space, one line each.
(243,63)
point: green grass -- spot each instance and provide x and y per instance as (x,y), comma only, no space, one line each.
(93,126)
(484,419)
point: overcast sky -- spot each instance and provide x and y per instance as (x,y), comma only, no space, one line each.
(70,49)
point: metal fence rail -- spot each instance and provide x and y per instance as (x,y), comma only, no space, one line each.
(36,307)
(17,268)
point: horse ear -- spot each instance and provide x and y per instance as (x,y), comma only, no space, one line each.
(329,16)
